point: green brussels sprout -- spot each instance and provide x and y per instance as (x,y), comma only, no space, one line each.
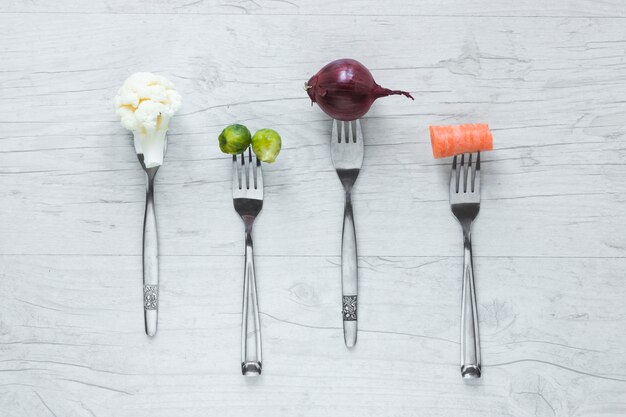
(266,145)
(234,139)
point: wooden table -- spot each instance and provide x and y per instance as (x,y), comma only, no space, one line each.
(550,79)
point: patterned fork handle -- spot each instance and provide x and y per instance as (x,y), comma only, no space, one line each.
(150,259)
(349,275)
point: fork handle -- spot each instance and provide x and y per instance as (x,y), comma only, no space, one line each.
(470,338)
(250,367)
(150,262)
(349,275)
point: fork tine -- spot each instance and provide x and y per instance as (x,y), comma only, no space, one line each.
(459,172)
(476,178)
(465,172)
(454,177)
(248,169)
(251,169)
(244,176)
(343,138)
(470,175)
(236,176)
(359,132)
(351,138)
(259,175)
(335,134)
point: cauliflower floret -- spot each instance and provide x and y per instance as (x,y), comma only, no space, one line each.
(145,104)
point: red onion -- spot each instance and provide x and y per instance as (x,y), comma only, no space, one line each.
(345,89)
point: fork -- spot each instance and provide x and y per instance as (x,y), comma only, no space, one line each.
(465,204)
(346,151)
(248,202)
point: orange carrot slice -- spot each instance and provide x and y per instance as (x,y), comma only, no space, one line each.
(454,140)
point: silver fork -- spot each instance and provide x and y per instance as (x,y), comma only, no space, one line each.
(248,202)
(465,204)
(346,151)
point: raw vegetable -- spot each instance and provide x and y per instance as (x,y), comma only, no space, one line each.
(266,145)
(454,140)
(235,139)
(145,104)
(345,89)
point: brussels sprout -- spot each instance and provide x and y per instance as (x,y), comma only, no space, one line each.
(234,139)
(266,145)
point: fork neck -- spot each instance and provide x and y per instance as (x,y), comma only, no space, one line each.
(348,178)
(248,222)
(150,174)
(249,244)
(466,225)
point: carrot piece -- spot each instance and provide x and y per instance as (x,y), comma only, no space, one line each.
(454,140)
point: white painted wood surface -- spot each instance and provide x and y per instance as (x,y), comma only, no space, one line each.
(549,242)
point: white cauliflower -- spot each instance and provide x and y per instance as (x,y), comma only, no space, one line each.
(145,104)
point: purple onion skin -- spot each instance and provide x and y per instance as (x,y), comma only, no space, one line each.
(345,89)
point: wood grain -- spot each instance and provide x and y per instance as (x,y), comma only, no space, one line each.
(525,8)
(549,241)
(72,333)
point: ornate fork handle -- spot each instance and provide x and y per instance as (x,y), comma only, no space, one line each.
(349,275)
(250,367)
(150,259)
(470,339)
